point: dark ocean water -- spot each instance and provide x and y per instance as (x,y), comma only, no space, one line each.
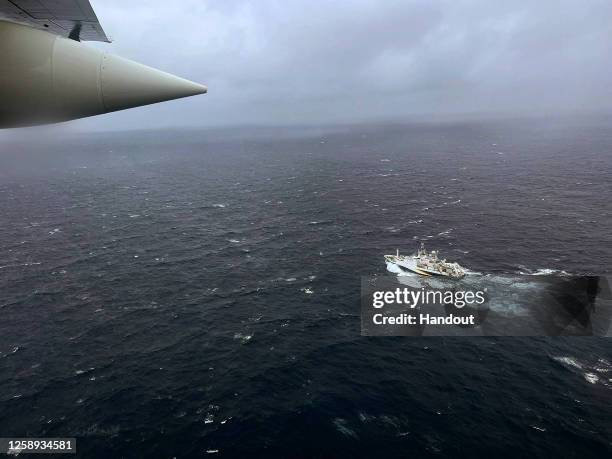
(196,293)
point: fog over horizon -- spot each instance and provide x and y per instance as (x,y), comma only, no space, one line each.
(271,62)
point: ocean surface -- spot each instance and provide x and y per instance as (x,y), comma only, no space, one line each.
(196,293)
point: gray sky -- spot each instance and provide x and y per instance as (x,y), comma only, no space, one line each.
(288,61)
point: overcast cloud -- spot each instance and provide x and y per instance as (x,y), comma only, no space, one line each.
(278,62)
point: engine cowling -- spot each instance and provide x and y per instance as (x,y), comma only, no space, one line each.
(46,78)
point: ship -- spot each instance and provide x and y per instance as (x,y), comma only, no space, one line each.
(426,263)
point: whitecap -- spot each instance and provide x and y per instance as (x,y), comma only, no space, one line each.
(243,338)
(342,427)
(568,361)
(543,272)
(80,372)
(602,366)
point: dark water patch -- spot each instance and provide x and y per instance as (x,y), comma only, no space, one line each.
(209,284)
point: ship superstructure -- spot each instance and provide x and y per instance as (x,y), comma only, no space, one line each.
(426,263)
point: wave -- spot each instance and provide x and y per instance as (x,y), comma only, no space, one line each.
(598,372)
(542,272)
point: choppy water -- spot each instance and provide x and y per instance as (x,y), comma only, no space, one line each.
(190,293)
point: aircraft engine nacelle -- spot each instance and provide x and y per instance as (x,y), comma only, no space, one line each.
(47,78)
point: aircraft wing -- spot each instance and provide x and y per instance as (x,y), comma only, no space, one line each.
(68,18)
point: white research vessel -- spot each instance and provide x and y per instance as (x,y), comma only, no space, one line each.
(426,264)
